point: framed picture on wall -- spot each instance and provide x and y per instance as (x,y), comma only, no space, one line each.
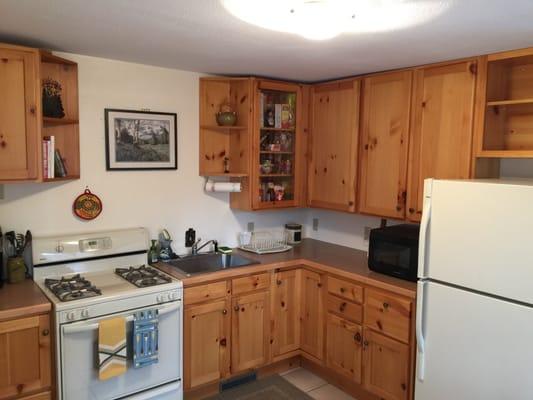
(140,140)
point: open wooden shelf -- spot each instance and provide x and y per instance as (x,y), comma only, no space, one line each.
(223,128)
(48,121)
(276,175)
(62,178)
(263,128)
(65,130)
(509,102)
(229,174)
(276,152)
(508,127)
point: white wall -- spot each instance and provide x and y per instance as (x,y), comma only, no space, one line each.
(155,199)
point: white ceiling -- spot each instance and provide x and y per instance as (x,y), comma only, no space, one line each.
(199,35)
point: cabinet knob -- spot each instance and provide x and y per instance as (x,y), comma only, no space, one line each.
(398,208)
(366,146)
(342,307)
(32,110)
(46,332)
(223,342)
(411,210)
(278,282)
(3,143)
(386,305)
(224,311)
(365,344)
(236,308)
(357,337)
(342,290)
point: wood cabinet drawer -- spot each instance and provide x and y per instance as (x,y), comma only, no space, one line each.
(388,314)
(211,291)
(249,283)
(347,290)
(349,310)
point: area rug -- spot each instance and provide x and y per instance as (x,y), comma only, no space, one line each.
(272,388)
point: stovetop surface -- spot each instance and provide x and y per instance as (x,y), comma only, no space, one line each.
(110,285)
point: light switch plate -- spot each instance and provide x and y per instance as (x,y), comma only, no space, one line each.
(315,224)
(250,227)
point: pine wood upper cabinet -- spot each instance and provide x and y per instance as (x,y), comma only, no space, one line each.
(386,366)
(333,145)
(206,342)
(312,327)
(442,127)
(19,122)
(25,364)
(344,347)
(285,311)
(385,144)
(250,331)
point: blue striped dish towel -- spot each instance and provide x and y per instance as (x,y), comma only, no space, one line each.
(145,338)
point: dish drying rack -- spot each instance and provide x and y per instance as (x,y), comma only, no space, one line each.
(264,242)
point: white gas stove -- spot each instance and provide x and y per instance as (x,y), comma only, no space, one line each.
(101,275)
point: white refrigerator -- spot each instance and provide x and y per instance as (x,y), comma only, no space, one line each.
(474,318)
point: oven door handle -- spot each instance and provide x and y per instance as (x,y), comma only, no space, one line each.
(91,327)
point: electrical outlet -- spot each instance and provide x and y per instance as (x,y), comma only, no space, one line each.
(315,224)
(250,226)
(366,233)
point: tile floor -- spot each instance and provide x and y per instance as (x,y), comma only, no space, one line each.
(314,386)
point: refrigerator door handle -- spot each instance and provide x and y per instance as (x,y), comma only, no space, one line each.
(420,341)
(424,224)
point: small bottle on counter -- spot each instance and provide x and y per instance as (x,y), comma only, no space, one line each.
(153,252)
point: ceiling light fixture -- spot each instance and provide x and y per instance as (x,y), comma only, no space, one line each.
(325,19)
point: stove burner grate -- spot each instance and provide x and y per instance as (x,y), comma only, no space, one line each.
(72,288)
(142,276)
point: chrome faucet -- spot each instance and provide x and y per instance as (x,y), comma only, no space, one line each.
(195,249)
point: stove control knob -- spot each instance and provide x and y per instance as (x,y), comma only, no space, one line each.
(159,298)
(164,297)
(85,313)
(174,295)
(71,315)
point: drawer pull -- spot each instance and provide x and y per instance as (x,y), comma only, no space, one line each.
(386,305)
(223,342)
(365,344)
(46,332)
(342,290)
(342,307)
(236,308)
(278,282)
(224,311)
(357,337)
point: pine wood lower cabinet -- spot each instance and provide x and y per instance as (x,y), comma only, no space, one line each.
(312,319)
(25,358)
(344,347)
(285,311)
(251,327)
(250,334)
(207,339)
(386,366)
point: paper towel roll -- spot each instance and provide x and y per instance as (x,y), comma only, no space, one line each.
(227,187)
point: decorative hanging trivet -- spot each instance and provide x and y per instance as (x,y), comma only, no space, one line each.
(87,205)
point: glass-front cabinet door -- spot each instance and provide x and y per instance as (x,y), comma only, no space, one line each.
(277,146)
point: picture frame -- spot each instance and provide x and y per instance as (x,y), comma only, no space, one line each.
(140,140)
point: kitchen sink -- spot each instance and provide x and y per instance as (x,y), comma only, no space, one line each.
(202,263)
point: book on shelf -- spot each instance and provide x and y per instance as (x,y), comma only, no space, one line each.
(60,170)
(285,116)
(53,165)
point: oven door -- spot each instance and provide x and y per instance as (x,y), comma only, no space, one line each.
(79,355)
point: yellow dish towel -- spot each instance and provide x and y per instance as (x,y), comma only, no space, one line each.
(112,348)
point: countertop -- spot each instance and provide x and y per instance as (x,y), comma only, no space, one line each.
(339,260)
(22,299)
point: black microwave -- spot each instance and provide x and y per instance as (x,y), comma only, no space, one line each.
(393,250)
